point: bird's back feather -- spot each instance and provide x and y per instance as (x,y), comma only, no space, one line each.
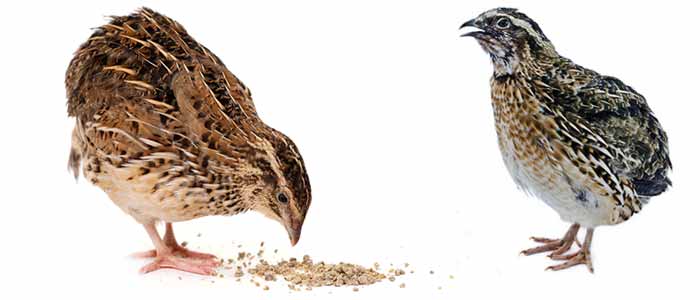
(621,116)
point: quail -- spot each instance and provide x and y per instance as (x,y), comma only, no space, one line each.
(170,135)
(586,144)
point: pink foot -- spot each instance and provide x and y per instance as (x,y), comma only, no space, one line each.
(177,251)
(197,266)
(169,254)
(184,252)
(144,254)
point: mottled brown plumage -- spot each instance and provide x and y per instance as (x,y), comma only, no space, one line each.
(170,134)
(586,144)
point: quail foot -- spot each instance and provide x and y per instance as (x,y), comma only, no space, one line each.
(586,144)
(170,135)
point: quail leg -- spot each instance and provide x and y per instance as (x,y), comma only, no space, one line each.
(556,246)
(165,257)
(175,247)
(580,257)
(171,242)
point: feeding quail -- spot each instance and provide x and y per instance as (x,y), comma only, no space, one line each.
(170,135)
(586,144)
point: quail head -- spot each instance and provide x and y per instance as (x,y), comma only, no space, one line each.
(586,144)
(170,135)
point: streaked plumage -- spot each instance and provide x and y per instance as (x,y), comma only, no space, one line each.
(586,144)
(170,134)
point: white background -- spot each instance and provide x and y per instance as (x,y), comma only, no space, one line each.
(391,111)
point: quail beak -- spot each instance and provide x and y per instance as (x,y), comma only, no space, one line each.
(475,34)
(294,231)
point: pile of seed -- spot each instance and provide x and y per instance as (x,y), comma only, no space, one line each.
(307,274)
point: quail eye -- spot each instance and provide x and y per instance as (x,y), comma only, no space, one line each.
(503,23)
(282,198)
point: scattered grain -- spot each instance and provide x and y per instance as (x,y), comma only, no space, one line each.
(305,274)
(308,274)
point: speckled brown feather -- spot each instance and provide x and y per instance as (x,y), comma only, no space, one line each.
(161,118)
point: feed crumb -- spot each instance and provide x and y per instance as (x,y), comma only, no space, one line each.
(403,285)
(355,289)
(452,277)
(269,276)
(305,273)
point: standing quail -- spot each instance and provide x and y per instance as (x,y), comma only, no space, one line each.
(586,144)
(170,135)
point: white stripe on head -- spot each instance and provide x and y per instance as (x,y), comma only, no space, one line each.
(528,27)
(524,24)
